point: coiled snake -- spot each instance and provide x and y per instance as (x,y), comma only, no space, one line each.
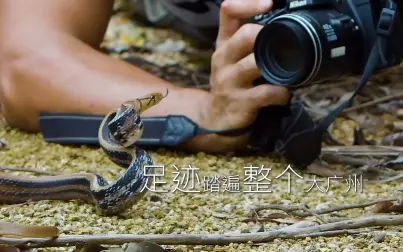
(117,135)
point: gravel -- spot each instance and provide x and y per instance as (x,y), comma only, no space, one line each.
(181,212)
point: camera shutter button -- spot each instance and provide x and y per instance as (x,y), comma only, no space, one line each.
(343,21)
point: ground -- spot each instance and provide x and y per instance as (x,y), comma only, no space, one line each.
(188,212)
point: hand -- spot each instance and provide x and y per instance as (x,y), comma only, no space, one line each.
(234,101)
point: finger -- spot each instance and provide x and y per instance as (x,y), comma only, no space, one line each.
(246,71)
(266,95)
(245,9)
(232,13)
(241,44)
(228,26)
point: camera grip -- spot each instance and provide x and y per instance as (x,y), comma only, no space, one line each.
(289,131)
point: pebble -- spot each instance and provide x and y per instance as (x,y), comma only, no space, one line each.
(398,125)
(379,237)
(144,247)
(3,144)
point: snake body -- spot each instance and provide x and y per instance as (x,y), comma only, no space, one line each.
(117,136)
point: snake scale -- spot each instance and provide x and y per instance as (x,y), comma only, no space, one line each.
(117,134)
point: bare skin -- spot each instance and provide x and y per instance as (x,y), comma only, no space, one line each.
(49,63)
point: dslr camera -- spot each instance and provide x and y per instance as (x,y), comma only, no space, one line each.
(311,41)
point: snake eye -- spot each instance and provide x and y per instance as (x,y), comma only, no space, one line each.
(152,99)
(138,120)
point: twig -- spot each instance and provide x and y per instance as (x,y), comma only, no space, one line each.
(396,164)
(284,208)
(350,232)
(375,102)
(32,170)
(329,233)
(391,179)
(303,211)
(393,233)
(364,150)
(271,217)
(346,160)
(352,206)
(266,219)
(211,239)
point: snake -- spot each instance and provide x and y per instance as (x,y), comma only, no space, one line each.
(118,133)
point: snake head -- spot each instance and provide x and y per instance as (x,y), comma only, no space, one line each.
(150,100)
(126,127)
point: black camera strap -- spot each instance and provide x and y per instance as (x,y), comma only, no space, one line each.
(300,139)
(166,131)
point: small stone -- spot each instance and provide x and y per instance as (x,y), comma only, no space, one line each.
(395,139)
(379,237)
(398,125)
(3,144)
(399,113)
(144,247)
(170,46)
(155,198)
(228,208)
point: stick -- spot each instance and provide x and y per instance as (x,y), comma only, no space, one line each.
(353,206)
(271,217)
(363,150)
(211,239)
(329,233)
(339,159)
(391,179)
(304,212)
(375,102)
(393,233)
(32,170)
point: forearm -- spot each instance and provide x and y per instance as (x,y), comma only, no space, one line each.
(66,75)
(47,64)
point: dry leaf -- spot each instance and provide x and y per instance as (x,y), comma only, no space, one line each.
(389,207)
(28,231)
(324,170)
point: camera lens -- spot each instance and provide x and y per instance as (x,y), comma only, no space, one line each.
(288,51)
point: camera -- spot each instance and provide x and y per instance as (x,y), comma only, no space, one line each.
(312,41)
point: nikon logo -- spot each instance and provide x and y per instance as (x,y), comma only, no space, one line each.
(297,4)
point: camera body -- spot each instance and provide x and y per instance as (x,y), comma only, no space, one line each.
(311,41)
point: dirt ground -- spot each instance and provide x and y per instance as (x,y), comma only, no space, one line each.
(187,212)
(207,211)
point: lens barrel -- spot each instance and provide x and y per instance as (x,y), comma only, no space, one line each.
(299,48)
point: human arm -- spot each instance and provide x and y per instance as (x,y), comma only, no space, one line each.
(49,63)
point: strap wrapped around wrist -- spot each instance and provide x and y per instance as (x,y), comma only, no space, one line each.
(158,131)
